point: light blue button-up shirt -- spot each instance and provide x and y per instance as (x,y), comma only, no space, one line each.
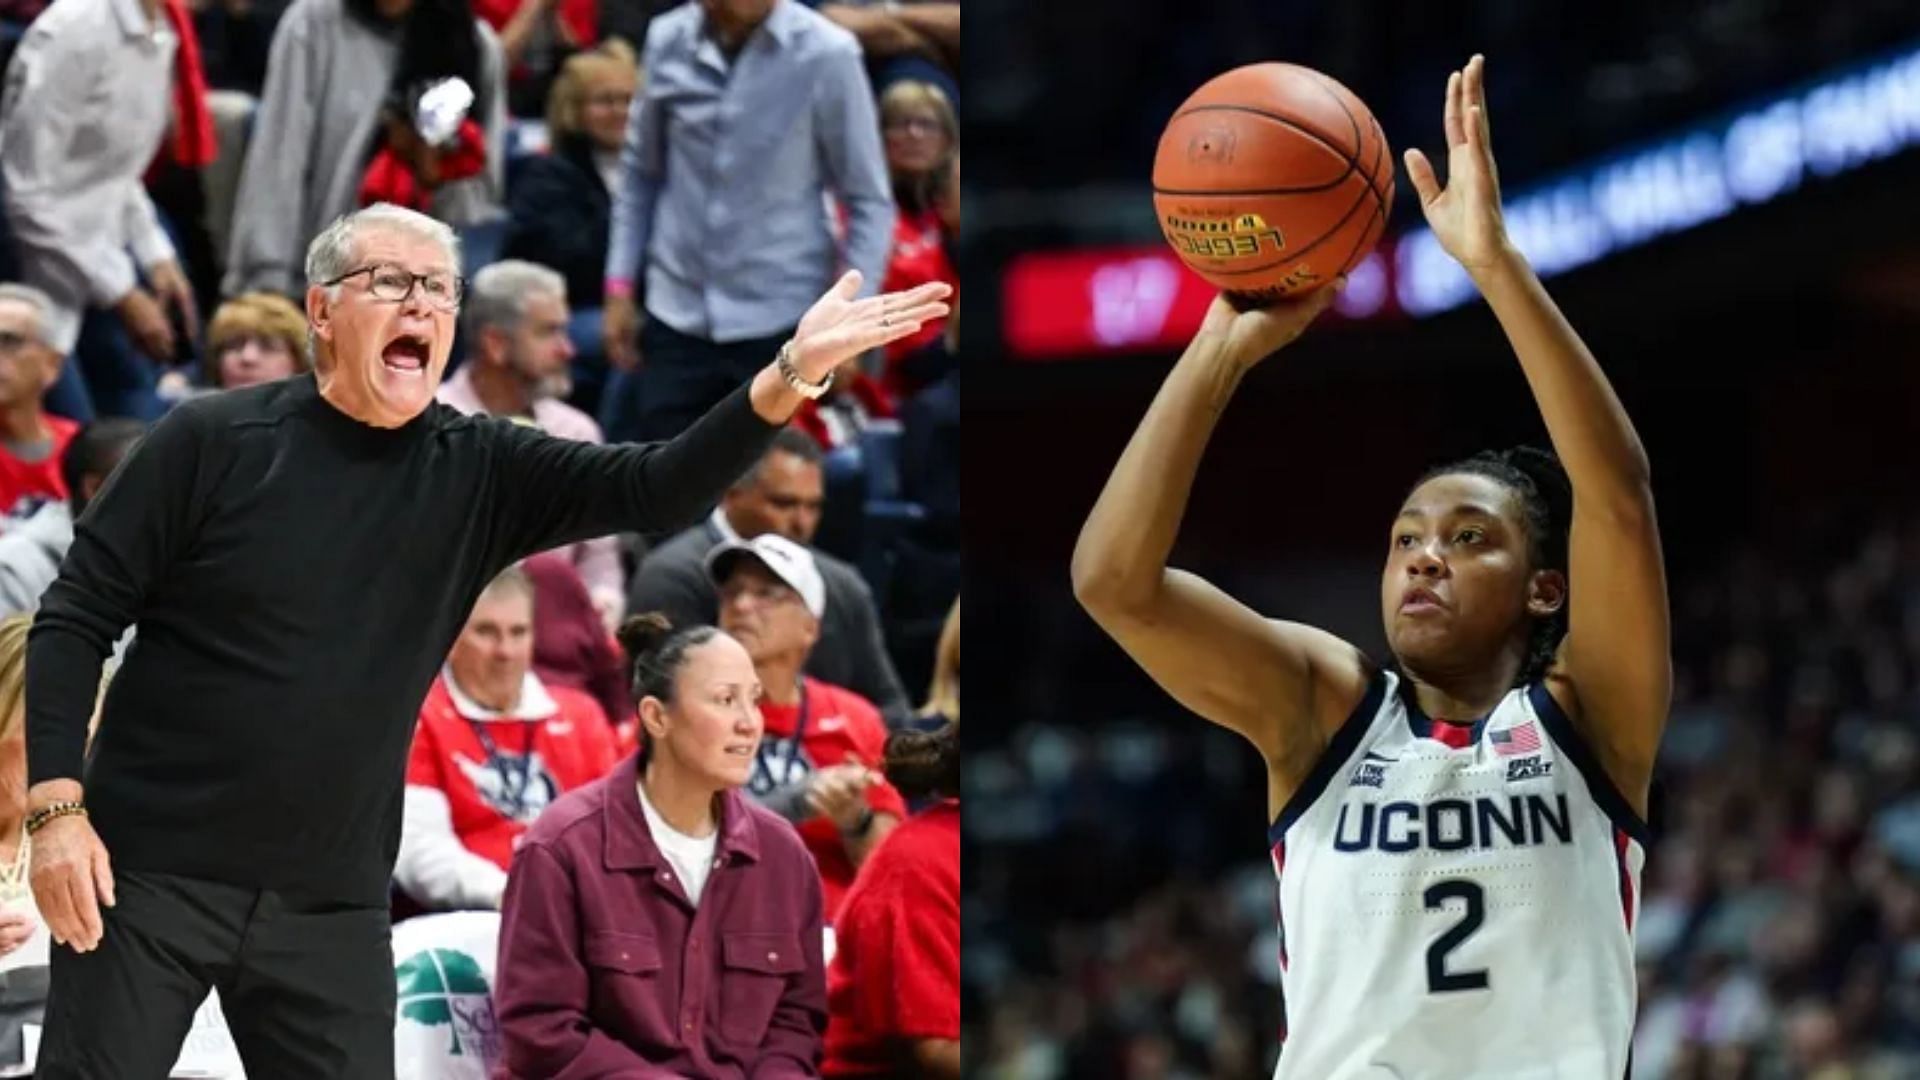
(726,169)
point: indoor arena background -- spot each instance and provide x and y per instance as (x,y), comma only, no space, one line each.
(1723,195)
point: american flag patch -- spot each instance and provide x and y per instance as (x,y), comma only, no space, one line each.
(1519,739)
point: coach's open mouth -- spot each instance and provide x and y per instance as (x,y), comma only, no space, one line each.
(407,353)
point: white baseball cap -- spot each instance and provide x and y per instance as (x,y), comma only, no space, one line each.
(786,560)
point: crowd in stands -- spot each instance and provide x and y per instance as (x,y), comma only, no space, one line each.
(1780,931)
(648,196)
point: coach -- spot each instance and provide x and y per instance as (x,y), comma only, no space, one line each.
(299,557)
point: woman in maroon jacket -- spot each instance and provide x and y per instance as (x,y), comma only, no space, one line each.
(657,923)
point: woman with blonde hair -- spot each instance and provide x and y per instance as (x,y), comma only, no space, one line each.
(560,204)
(23,936)
(921,132)
(255,338)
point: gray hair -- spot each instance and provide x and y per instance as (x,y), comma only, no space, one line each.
(498,295)
(332,252)
(511,580)
(42,306)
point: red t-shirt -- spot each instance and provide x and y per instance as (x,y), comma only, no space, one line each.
(489,805)
(842,726)
(896,961)
(919,256)
(20,479)
(581,16)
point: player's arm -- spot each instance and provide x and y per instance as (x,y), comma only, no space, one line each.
(1614,671)
(1284,686)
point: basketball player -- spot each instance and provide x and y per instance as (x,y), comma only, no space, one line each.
(1458,836)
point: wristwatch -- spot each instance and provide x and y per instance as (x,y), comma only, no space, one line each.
(810,391)
(862,827)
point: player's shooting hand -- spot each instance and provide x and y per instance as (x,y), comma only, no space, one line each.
(1465,215)
(838,327)
(1253,333)
(71,879)
(15,928)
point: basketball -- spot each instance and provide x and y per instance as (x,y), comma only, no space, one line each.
(1272,180)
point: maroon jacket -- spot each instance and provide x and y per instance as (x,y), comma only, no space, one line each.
(606,972)
(571,646)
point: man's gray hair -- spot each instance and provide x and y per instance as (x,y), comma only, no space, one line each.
(332,254)
(42,306)
(498,295)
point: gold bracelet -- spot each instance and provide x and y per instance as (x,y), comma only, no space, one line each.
(47,813)
(810,391)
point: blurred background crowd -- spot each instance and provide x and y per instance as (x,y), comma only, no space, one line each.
(1119,897)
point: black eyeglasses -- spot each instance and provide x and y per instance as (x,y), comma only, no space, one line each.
(395,284)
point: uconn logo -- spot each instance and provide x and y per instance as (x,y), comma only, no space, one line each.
(1454,824)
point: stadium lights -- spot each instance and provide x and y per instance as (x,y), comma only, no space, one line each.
(1064,304)
(1752,157)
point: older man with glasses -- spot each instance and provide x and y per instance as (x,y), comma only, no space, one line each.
(300,556)
(32,440)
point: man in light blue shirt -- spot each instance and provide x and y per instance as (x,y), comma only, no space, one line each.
(752,112)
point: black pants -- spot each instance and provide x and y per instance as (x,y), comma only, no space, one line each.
(685,376)
(307,987)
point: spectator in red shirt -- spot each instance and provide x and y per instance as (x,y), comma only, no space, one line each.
(658,923)
(536,37)
(893,991)
(495,747)
(816,765)
(922,135)
(32,440)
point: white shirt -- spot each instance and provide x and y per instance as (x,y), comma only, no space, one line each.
(692,856)
(88,99)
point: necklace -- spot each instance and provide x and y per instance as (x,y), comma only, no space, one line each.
(13,878)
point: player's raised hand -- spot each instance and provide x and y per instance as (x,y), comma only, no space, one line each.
(1464,215)
(1254,332)
(839,327)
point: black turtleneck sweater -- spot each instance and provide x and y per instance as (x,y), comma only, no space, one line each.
(298,578)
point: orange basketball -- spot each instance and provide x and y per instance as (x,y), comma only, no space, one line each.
(1272,180)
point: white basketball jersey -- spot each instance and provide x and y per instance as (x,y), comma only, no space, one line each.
(1457,911)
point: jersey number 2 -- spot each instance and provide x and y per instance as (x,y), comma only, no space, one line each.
(1439,979)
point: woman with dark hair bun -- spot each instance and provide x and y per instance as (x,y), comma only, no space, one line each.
(656,921)
(893,991)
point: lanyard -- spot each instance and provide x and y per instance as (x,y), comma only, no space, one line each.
(513,781)
(765,780)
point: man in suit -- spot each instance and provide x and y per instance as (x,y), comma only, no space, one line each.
(782,494)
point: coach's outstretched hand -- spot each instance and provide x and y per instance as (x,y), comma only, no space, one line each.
(838,327)
(1253,333)
(1465,215)
(71,879)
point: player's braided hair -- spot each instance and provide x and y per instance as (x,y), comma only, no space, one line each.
(921,763)
(1546,499)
